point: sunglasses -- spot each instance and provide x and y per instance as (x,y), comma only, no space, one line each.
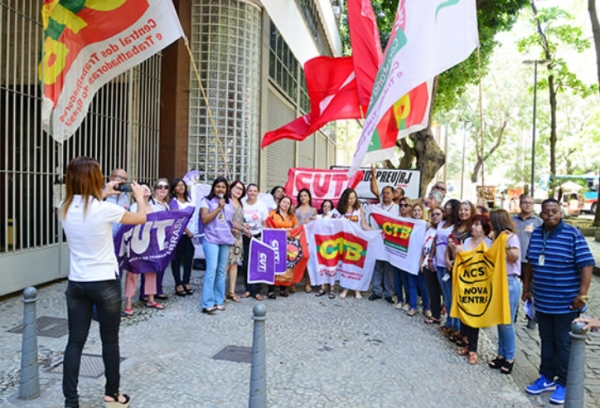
(440,188)
(404,205)
(436,215)
(162,187)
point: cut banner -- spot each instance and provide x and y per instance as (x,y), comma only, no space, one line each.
(276,239)
(89,42)
(480,285)
(151,246)
(342,251)
(261,263)
(428,38)
(403,238)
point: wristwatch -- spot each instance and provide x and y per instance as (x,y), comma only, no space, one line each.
(583,298)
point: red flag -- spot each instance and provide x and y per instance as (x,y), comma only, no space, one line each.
(366,47)
(331,84)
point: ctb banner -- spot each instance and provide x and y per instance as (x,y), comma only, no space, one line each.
(403,238)
(151,246)
(480,285)
(341,250)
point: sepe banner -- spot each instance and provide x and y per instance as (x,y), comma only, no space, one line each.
(261,263)
(322,184)
(480,285)
(276,239)
(151,246)
(341,250)
(403,238)
(408,180)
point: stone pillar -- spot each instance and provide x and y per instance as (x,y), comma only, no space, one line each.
(29,381)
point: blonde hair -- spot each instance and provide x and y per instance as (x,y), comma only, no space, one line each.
(84,178)
(418,205)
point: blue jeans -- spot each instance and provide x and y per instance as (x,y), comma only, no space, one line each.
(382,279)
(446,286)
(81,297)
(213,290)
(416,284)
(507,339)
(556,344)
(401,284)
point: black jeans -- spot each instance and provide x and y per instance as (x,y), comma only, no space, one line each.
(435,292)
(184,253)
(253,288)
(556,344)
(81,296)
(472,334)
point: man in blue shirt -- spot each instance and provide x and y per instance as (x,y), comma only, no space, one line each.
(557,277)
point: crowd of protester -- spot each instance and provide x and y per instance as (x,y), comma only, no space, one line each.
(231,214)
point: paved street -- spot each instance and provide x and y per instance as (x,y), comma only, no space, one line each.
(320,352)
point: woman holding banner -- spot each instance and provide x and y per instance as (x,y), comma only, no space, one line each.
(216,213)
(349,208)
(237,191)
(282,217)
(416,283)
(507,340)
(87,221)
(305,213)
(479,233)
(158,202)
(401,277)
(180,199)
(149,281)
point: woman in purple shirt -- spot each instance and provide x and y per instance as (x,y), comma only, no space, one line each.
(216,213)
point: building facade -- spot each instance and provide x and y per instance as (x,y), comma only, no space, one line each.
(153,120)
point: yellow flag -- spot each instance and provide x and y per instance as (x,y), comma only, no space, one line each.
(480,285)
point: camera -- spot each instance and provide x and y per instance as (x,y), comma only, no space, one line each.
(123,187)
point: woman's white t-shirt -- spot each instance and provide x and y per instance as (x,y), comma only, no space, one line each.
(90,240)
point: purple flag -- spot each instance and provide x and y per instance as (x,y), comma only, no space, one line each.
(261,265)
(277,239)
(151,246)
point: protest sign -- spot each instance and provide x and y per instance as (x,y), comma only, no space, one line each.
(261,263)
(151,246)
(276,239)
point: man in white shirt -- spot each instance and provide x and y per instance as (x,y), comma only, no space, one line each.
(383,281)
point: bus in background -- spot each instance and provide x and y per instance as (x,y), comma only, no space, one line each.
(589,194)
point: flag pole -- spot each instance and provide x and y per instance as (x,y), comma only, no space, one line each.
(481,123)
(212,121)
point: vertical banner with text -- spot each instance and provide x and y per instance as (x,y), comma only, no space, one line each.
(261,263)
(89,42)
(276,239)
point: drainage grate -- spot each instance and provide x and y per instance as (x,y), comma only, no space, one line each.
(236,354)
(92,366)
(47,327)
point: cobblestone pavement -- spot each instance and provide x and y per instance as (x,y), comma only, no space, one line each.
(320,352)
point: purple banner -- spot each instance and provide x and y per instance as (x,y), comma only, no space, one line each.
(151,246)
(261,264)
(277,239)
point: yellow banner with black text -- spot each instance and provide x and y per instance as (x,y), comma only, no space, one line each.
(480,285)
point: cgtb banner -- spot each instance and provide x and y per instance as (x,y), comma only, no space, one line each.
(480,285)
(403,238)
(276,239)
(342,250)
(89,42)
(261,263)
(151,246)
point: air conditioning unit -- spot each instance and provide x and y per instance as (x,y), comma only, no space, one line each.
(337,10)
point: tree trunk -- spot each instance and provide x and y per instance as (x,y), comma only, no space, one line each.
(407,160)
(596,32)
(430,158)
(553,136)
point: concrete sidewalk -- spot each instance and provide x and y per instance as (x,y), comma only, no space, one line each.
(320,353)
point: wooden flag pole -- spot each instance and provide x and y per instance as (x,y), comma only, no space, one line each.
(212,121)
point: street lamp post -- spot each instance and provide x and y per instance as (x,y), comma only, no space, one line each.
(462,169)
(535,65)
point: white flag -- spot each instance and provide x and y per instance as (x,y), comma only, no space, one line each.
(429,37)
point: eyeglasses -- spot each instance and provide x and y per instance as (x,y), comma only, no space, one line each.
(440,188)
(162,187)
(436,214)
(118,176)
(404,205)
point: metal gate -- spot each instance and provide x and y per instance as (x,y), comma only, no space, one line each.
(121,129)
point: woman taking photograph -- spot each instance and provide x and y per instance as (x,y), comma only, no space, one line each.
(282,217)
(94,272)
(479,233)
(349,208)
(184,253)
(255,216)
(158,202)
(216,213)
(237,191)
(416,283)
(507,341)
(149,281)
